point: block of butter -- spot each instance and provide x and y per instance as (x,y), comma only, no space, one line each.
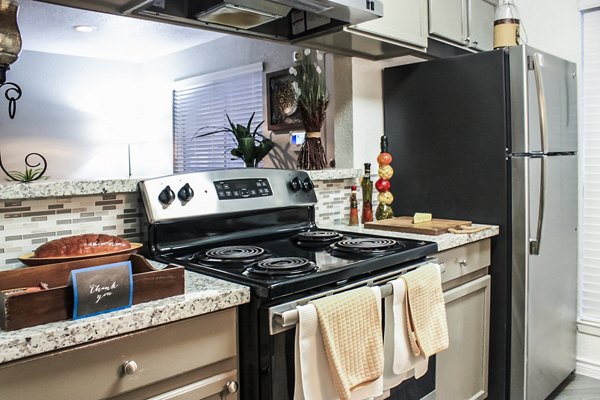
(419,218)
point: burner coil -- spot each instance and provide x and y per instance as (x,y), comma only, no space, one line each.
(234,252)
(367,243)
(282,266)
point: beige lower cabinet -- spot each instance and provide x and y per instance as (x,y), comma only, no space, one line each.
(462,369)
(190,359)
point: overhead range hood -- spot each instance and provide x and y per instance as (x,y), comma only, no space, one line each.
(289,21)
(281,20)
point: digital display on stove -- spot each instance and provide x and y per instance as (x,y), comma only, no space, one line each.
(243,188)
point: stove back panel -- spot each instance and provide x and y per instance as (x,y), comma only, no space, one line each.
(203,233)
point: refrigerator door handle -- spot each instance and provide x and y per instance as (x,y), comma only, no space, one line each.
(534,244)
(541,95)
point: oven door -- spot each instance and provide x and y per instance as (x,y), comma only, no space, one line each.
(278,347)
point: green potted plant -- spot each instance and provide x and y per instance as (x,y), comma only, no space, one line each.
(252,147)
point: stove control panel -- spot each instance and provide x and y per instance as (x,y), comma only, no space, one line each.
(225,191)
(242,188)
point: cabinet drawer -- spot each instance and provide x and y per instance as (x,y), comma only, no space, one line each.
(463,260)
(213,387)
(96,370)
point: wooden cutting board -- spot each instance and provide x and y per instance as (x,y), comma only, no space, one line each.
(404,224)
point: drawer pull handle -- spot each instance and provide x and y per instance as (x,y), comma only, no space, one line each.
(463,263)
(130,367)
(232,386)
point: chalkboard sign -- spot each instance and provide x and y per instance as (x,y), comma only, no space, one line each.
(102,289)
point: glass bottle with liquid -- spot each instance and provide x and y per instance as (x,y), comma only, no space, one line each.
(506,25)
(367,193)
(353,207)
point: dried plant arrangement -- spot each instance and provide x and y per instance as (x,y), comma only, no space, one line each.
(312,98)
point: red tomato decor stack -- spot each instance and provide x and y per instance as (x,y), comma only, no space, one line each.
(385,197)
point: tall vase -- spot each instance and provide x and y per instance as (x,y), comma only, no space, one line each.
(312,154)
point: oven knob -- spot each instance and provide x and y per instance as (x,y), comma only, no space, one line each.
(186,193)
(307,185)
(295,184)
(167,196)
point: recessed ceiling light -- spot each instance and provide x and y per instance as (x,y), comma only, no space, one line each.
(84,28)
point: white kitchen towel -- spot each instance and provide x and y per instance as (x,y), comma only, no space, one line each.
(399,361)
(313,380)
(312,375)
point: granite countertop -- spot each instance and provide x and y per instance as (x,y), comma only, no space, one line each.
(445,241)
(203,294)
(43,189)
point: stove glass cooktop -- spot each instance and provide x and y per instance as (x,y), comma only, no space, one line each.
(282,264)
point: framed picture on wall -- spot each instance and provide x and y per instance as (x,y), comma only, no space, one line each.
(282,110)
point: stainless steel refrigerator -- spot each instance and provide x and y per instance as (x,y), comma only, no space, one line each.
(492,137)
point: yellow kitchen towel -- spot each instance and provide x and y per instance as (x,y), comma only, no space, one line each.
(350,324)
(426,311)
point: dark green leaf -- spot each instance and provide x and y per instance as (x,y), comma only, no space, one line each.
(230,123)
(262,149)
(250,121)
(236,153)
(246,147)
(258,126)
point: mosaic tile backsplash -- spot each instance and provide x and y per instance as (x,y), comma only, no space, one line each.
(27,223)
(333,205)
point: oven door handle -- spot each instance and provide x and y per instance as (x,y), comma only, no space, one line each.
(289,318)
(286,319)
(285,316)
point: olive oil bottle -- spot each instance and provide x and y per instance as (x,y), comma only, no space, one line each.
(367,195)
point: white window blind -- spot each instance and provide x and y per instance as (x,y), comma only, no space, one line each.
(204,101)
(589,285)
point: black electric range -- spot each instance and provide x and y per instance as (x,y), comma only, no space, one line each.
(256,227)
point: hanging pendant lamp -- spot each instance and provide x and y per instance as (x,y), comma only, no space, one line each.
(10,47)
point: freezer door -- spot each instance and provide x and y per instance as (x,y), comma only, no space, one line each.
(544,284)
(543,102)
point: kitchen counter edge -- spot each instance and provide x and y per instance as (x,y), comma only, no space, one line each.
(44,189)
(203,294)
(445,241)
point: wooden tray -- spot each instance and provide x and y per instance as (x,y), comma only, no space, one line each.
(56,303)
(29,259)
(404,224)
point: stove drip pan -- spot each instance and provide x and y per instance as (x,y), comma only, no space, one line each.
(365,246)
(232,255)
(281,266)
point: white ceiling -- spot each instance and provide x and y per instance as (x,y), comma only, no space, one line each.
(49,28)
